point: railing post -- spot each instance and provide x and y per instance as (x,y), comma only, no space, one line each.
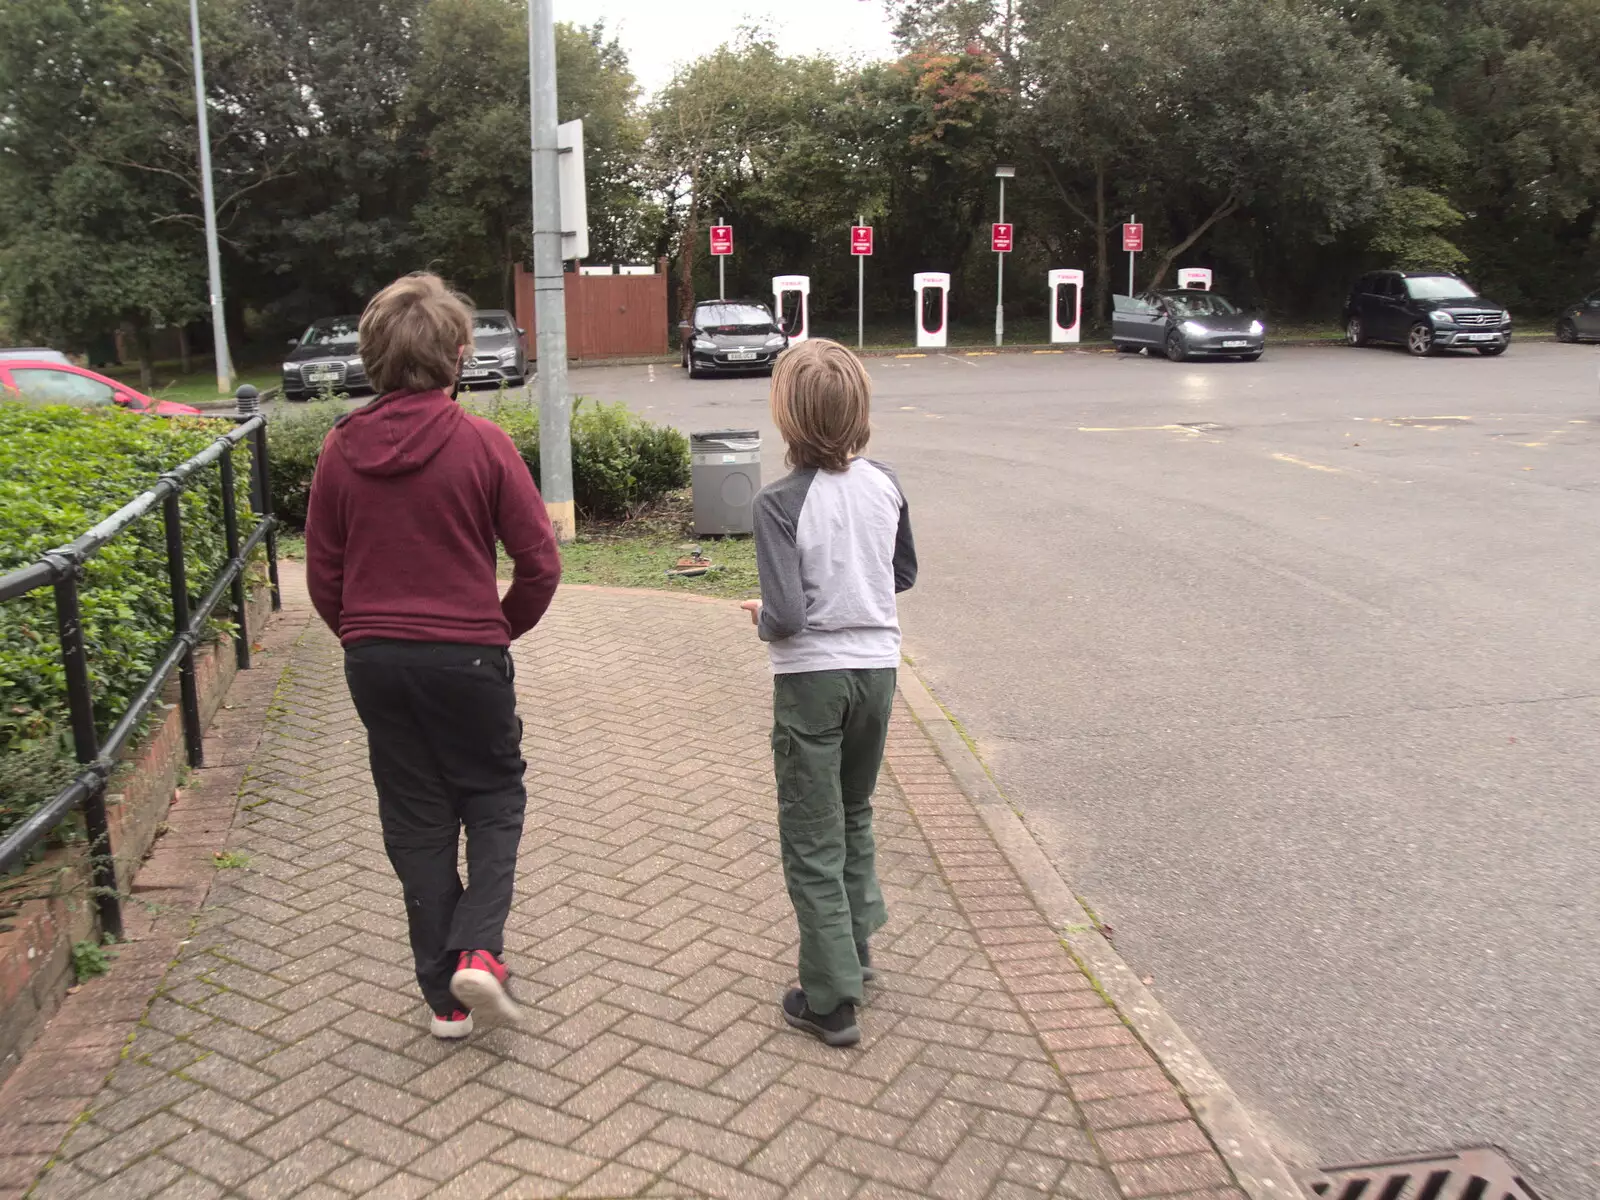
(230,528)
(189,692)
(86,745)
(261,477)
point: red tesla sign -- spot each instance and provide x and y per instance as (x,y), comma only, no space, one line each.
(1000,239)
(722,239)
(860,239)
(1133,238)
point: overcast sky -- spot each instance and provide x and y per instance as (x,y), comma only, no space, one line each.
(661,34)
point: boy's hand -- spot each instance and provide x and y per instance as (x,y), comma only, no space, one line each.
(753,607)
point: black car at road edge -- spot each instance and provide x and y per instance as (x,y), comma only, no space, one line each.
(1186,323)
(324,357)
(1425,311)
(731,335)
(1580,322)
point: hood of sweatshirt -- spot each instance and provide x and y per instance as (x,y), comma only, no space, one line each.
(398,433)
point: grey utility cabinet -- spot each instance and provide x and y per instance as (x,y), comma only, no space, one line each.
(725,467)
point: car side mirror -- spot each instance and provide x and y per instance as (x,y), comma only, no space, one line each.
(522,333)
(292,343)
(121,399)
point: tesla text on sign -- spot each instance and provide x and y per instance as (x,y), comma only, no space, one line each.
(722,239)
(1133,238)
(1000,239)
(861,239)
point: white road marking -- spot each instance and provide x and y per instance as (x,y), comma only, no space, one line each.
(651,367)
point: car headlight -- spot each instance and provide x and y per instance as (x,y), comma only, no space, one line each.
(291,369)
(775,342)
(1195,327)
(1441,318)
(1257,329)
(508,356)
(704,344)
(1505,319)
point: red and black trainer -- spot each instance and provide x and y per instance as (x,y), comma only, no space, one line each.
(480,984)
(452,1025)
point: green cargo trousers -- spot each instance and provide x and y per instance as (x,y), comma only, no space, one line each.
(828,732)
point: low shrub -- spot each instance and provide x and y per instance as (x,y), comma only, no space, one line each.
(619,461)
(61,471)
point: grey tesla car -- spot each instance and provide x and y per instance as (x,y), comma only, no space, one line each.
(1185,323)
(731,335)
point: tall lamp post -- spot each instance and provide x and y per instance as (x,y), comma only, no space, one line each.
(1002,173)
(219,326)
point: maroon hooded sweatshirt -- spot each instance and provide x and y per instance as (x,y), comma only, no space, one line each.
(410,495)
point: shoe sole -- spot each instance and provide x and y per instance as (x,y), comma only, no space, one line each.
(482,995)
(452,1031)
(848,1036)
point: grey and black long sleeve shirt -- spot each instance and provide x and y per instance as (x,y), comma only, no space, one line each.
(833,548)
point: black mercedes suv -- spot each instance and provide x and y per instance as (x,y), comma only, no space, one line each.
(1424,311)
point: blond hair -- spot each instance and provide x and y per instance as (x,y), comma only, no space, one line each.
(822,404)
(412,333)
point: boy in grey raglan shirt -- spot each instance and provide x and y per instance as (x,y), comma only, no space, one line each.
(833,547)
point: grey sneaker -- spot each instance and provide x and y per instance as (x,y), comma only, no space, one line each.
(837,1028)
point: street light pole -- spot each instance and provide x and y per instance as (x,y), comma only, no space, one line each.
(549,280)
(219,325)
(1003,174)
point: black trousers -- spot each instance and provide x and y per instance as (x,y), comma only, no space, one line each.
(446,749)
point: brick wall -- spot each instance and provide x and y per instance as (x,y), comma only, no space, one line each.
(36,943)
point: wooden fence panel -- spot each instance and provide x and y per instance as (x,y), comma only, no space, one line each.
(608,316)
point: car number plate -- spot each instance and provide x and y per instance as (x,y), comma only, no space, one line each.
(1230,343)
(1482,337)
(474,374)
(322,375)
(741,355)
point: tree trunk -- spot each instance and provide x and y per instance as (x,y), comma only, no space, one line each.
(1226,209)
(1102,261)
(185,361)
(686,245)
(147,366)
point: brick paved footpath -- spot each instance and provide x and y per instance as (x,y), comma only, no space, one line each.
(285,1053)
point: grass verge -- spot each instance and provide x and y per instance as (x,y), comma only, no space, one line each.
(198,386)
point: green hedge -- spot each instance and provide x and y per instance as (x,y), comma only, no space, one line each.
(619,461)
(62,470)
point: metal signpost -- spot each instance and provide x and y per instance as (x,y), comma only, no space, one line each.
(549,278)
(721,247)
(1133,243)
(861,247)
(1002,173)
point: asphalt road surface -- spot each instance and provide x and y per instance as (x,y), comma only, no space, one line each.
(1292,667)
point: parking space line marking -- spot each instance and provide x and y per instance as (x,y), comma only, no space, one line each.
(651,367)
(962,361)
(1310,466)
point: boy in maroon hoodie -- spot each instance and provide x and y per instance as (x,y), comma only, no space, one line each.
(410,496)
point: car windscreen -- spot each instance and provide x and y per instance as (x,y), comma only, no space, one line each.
(45,386)
(336,332)
(1200,304)
(35,354)
(487,325)
(734,318)
(1438,287)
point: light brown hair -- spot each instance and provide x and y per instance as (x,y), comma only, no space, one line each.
(412,333)
(822,404)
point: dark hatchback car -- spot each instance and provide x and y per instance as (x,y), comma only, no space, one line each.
(731,335)
(499,350)
(324,357)
(1580,322)
(1185,323)
(1424,311)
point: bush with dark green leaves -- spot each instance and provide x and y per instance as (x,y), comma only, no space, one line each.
(620,462)
(62,470)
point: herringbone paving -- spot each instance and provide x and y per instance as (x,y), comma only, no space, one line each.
(286,1053)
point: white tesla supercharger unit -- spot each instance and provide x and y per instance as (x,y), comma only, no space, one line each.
(923,282)
(1070,331)
(1198,278)
(793,285)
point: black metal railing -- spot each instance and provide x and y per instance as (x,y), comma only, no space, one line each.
(62,569)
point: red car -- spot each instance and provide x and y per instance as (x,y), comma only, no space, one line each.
(46,382)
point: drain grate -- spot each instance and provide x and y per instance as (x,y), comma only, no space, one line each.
(1480,1173)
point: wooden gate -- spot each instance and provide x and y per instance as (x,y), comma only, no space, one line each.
(608,316)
